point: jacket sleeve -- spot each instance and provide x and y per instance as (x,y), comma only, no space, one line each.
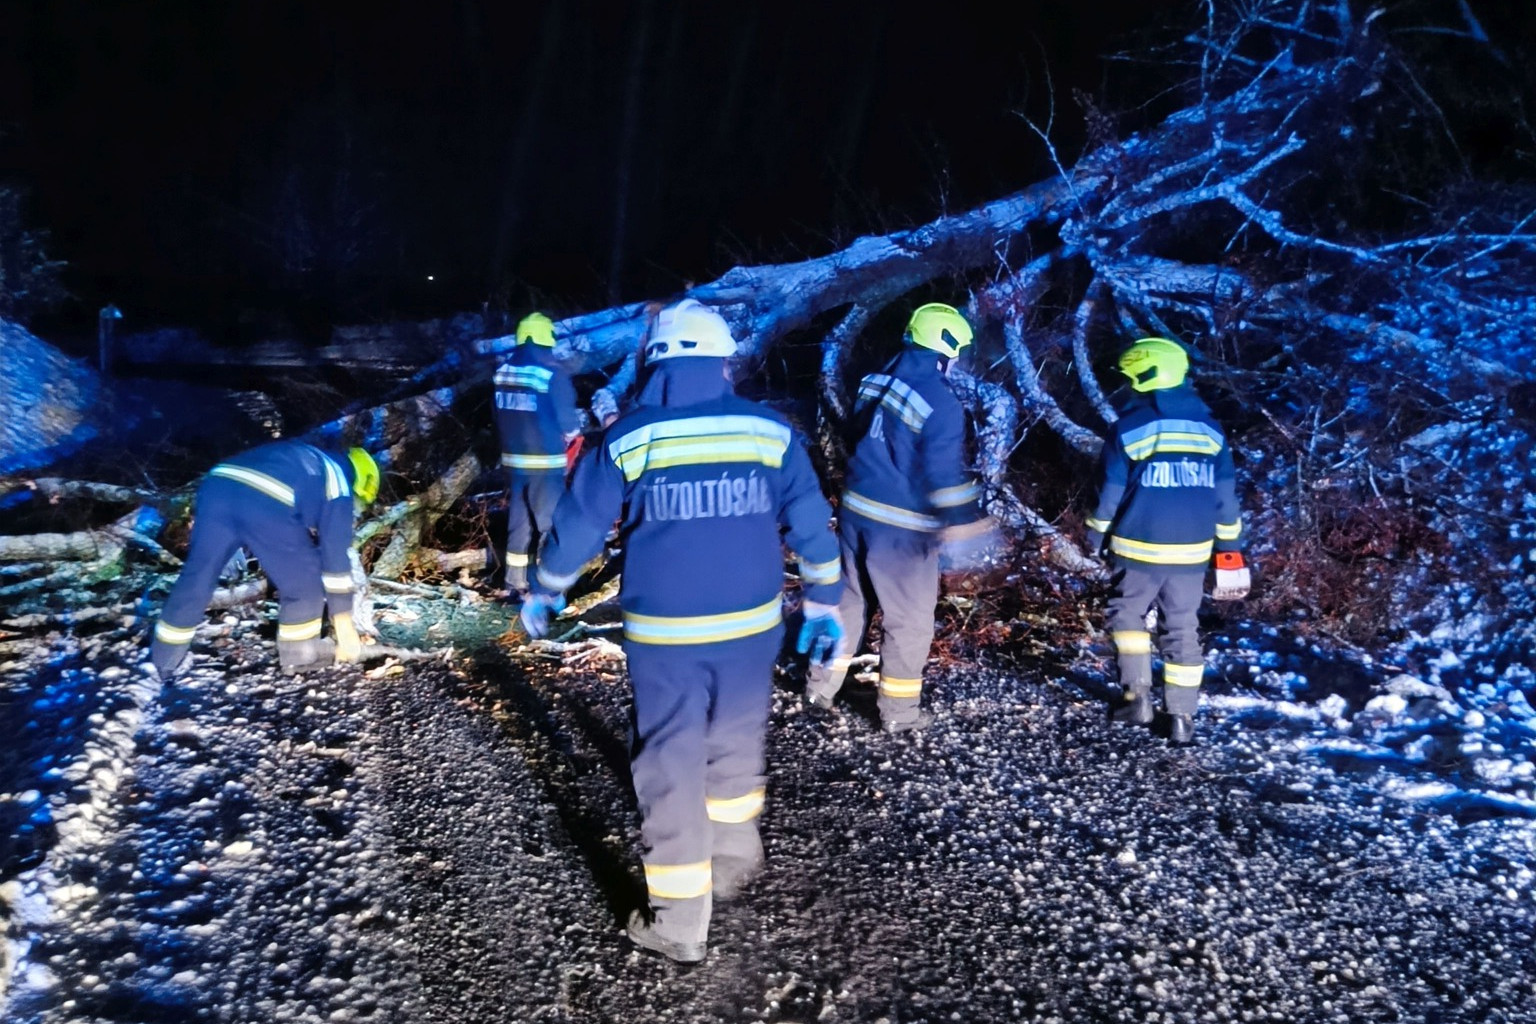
(583,517)
(1114,474)
(562,392)
(806,518)
(1229,517)
(951,490)
(336,525)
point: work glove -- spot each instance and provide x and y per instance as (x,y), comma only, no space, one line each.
(349,646)
(537,610)
(971,546)
(1232,577)
(820,634)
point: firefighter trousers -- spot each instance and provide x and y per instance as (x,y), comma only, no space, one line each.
(531,501)
(896,571)
(228,516)
(698,763)
(1175,592)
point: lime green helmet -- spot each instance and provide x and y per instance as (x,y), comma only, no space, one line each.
(365,475)
(536,329)
(1153,364)
(939,328)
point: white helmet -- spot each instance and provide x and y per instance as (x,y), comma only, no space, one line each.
(689,328)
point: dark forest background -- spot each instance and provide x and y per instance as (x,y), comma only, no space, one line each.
(246,168)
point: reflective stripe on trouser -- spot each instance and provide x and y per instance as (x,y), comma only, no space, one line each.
(701,718)
(1133,656)
(1181,687)
(897,571)
(531,501)
(226,519)
(1176,591)
(736,848)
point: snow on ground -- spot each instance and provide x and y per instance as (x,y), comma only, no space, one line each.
(433,842)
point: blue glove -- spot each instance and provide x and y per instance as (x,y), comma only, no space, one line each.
(820,633)
(537,610)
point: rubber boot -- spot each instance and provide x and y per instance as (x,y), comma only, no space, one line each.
(677,929)
(516,589)
(168,659)
(916,723)
(737,857)
(1181,730)
(1136,689)
(303,655)
(822,683)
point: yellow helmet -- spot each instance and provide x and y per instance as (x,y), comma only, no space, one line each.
(689,328)
(1153,364)
(939,328)
(536,329)
(365,475)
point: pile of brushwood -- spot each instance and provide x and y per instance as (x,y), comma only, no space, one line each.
(1312,206)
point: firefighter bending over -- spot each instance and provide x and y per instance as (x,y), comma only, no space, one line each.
(292,506)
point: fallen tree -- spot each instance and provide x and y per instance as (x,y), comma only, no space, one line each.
(1359,308)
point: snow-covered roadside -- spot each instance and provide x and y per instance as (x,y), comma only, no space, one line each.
(72,731)
(229,863)
(459,845)
(1460,740)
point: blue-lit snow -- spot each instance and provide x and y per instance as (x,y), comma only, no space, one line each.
(269,876)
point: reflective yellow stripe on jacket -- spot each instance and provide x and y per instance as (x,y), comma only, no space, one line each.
(821,572)
(896,397)
(1160,437)
(702,629)
(271,486)
(880,512)
(515,461)
(1161,554)
(700,440)
(534,378)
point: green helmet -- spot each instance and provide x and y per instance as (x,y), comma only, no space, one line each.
(939,328)
(365,475)
(1153,364)
(537,329)
(689,328)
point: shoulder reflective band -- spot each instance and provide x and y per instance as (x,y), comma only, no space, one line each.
(700,440)
(1189,437)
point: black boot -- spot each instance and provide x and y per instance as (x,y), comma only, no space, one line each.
(1181,730)
(1135,685)
(1137,709)
(917,723)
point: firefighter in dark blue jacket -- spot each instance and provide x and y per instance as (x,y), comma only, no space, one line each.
(537,420)
(292,506)
(1167,502)
(907,492)
(708,489)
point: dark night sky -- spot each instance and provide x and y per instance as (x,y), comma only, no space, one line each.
(194,159)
